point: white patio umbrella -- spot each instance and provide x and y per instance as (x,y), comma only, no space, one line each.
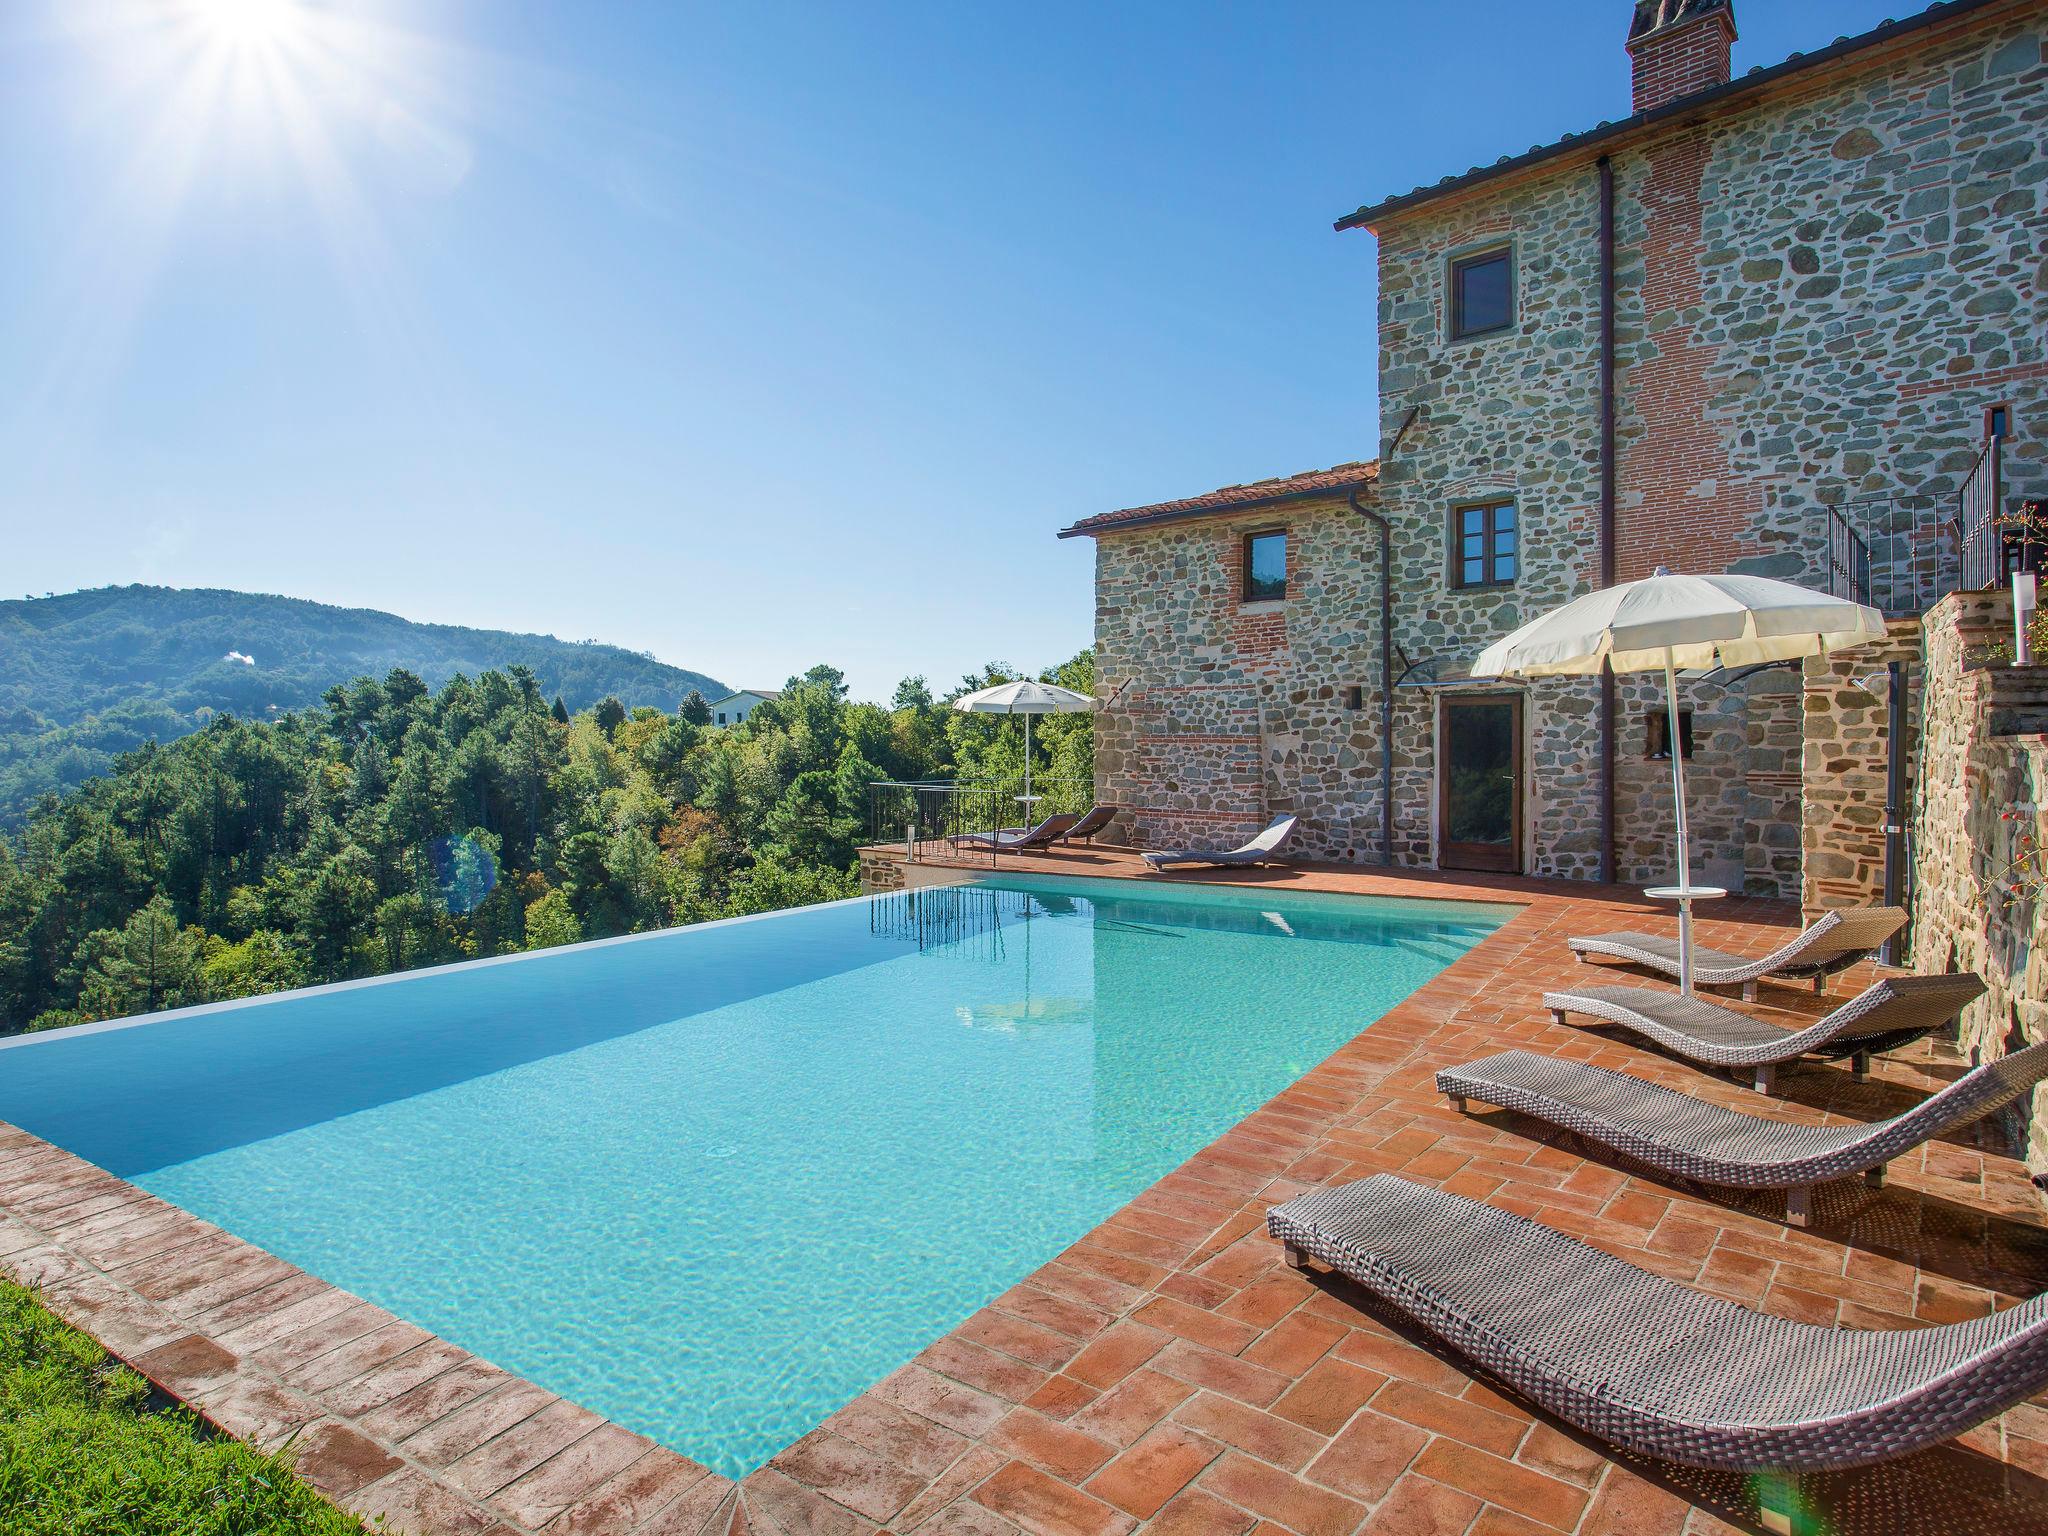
(1669,623)
(1026,698)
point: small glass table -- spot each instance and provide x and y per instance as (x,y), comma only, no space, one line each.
(1685,896)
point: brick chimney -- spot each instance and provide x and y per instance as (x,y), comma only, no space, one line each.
(1677,47)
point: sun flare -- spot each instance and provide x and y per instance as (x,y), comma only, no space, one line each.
(247,24)
(271,115)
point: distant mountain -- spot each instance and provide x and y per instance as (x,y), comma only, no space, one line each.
(90,674)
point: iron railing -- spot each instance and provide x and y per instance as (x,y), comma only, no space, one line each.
(1985,560)
(1903,553)
(1848,559)
(950,821)
(1895,553)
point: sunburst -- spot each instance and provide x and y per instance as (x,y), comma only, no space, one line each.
(248,25)
(241,102)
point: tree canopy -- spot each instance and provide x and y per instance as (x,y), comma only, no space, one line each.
(88,675)
(394,826)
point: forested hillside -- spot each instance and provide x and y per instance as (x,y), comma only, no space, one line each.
(87,675)
(392,826)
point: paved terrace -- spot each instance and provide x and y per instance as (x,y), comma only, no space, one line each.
(1166,1373)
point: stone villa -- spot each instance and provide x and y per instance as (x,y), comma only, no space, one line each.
(1790,321)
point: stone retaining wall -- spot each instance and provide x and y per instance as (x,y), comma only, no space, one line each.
(879,871)
(1981,803)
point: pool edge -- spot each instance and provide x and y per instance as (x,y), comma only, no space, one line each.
(183,1302)
(267,1402)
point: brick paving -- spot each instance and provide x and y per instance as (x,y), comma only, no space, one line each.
(1164,1374)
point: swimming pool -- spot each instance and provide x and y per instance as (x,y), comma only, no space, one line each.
(712,1183)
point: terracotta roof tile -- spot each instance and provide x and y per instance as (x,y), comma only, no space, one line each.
(1232,498)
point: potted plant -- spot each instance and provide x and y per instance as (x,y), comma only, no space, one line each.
(2023,536)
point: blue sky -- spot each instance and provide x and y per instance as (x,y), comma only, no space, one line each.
(751,335)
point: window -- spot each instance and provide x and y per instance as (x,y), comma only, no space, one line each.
(721,717)
(1482,293)
(1265,567)
(1657,735)
(1998,421)
(1485,545)
(1354,696)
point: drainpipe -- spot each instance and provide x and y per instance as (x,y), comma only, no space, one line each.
(1386,670)
(1894,798)
(1608,860)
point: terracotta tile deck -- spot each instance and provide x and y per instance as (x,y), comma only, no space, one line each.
(1166,1373)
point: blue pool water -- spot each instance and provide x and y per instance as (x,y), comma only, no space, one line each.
(712,1183)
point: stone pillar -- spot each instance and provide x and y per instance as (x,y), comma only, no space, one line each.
(1843,766)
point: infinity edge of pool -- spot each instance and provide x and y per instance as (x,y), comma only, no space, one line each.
(1490,916)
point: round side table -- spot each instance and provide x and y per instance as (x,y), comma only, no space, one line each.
(1685,896)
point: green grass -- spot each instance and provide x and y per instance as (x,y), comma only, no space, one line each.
(82,1452)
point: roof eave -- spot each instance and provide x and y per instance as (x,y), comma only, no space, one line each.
(1707,103)
(1336,492)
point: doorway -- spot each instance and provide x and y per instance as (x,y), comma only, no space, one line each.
(1479,783)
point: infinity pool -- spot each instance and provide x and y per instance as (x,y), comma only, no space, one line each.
(712,1183)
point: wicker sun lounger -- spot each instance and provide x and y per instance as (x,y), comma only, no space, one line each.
(1044,835)
(1677,1134)
(1085,830)
(1894,1012)
(1834,942)
(1654,1366)
(1268,847)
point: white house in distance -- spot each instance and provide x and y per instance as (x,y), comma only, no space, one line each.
(735,707)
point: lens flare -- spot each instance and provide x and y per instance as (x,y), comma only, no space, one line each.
(464,872)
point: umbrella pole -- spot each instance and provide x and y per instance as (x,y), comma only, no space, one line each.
(1030,809)
(1677,745)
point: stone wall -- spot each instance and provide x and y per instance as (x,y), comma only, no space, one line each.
(1742,783)
(1844,767)
(1771,854)
(881,871)
(1818,297)
(1220,714)
(1979,805)
(1211,726)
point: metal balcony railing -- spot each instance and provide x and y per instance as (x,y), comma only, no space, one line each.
(1985,545)
(1896,553)
(948,821)
(1903,553)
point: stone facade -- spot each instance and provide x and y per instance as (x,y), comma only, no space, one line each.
(1224,713)
(1818,296)
(1844,770)
(1981,806)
